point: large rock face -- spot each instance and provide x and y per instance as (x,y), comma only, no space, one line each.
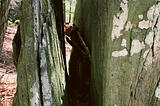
(123,36)
(40,69)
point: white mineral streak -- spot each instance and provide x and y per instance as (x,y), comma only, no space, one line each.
(136,46)
(44,42)
(157,41)
(157,92)
(148,57)
(46,89)
(124,42)
(43,58)
(128,26)
(145,53)
(157,36)
(153,16)
(150,13)
(34,100)
(140,16)
(149,39)
(120,20)
(120,53)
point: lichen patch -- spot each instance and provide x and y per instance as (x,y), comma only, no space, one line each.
(136,46)
(34,100)
(152,15)
(140,16)
(124,42)
(128,26)
(120,53)
(152,39)
(43,56)
(120,20)
(46,89)
(149,38)
(144,24)
(151,12)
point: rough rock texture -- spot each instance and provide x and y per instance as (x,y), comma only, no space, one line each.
(41,70)
(124,38)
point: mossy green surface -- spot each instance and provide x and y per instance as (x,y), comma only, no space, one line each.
(36,30)
(113,79)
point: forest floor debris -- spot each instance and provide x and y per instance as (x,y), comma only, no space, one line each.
(8,73)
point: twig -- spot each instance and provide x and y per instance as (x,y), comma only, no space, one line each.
(75,46)
(84,45)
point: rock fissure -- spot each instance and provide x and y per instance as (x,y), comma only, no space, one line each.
(39,67)
(130,44)
(154,37)
(140,73)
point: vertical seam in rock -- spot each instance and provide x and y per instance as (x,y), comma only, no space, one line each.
(39,69)
(139,75)
(130,44)
(154,37)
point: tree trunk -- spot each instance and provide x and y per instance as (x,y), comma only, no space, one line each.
(70,10)
(124,40)
(64,11)
(3,19)
(40,70)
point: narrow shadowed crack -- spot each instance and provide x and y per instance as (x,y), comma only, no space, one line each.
(131,95)
(130,43)
(145,36)
(129,49)
(39,74)
(39,68)
(154,37)
(139,75)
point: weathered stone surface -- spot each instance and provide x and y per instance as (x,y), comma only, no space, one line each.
(125,55)
(41,70)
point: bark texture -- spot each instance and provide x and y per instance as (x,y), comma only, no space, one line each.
(40,69)
(3,19)
(124,39)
